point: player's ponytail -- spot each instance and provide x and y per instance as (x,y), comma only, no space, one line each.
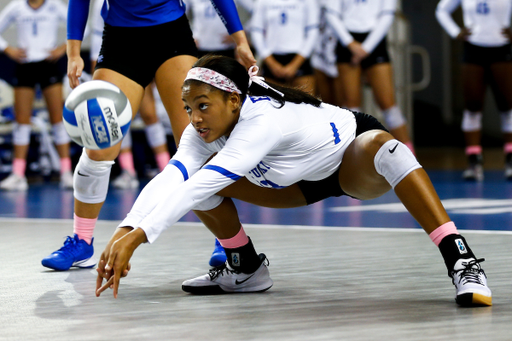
(254,85)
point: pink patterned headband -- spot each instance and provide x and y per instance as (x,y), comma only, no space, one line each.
(213,78)
(222,82)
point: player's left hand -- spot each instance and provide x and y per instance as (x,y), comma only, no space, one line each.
(243,53)
(115,260)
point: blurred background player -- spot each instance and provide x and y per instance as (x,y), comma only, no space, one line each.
(209,32)
(155,132)
(487,60)
(37,23)
(284,33)
(323,61)
(133,54)
(361,27)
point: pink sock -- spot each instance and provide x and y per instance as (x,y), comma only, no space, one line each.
(19,166)
(442,231)
(126,162)
(239,240)
(473,150)
(65,165)
(84,228)
(162,159)
(410,146)
(507,148)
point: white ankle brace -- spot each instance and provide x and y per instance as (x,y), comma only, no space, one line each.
(394,161)
(91,178)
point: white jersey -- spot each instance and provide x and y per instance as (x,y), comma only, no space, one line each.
(484,18)
(36,28)
(273,147)
(285,26)
(97,25)
(209,32)
(358,16)
(324,54)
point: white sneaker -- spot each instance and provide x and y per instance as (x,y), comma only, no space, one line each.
(126,181)
(470,283)
(14,183)
(66,180)
(224,279)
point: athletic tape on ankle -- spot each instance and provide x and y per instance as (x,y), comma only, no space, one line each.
(442,231)
(21,134)
(394,161)
(19,166)
(473,150)
(91,178)
(155,134)
(239,240)
(507,148)
(393,117)
(126,162)
(84,227)
(162,159)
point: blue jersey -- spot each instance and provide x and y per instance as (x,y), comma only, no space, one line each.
(140,13)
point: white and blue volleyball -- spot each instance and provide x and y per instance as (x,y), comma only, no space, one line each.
(97,114)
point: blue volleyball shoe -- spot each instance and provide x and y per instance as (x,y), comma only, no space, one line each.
(218,257)
(75,253)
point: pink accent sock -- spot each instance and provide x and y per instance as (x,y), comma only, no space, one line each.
(162,159)
(472,150)
(507,148)
(442,231)
(65,165)
(410,146)
(239,240)
(19,166)
(126,162)
(84,228)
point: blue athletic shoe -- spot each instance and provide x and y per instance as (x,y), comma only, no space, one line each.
(75,252)
(218,257)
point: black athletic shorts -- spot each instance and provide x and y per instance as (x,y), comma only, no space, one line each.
(138,52)
(315,191)
(485,56)
(44,73)
(284,59)
(378,55)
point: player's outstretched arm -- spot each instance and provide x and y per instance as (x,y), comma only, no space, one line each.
(243,50)
(115,260)
(75,62)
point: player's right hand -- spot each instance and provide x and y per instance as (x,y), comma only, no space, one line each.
(75,68)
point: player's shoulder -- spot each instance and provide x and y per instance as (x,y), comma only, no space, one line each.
(15,5)
(258,106)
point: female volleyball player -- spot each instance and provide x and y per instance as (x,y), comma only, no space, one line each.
(37,22)
(487,60)
(142,41)
(276,147)
(284,33)
(361,27)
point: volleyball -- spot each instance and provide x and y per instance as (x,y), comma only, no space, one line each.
(97,114)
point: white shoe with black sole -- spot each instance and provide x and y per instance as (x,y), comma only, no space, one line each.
(225,280)
(471,283)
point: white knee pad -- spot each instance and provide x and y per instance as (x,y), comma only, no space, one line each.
(155,133)
(21,134)
(393,117)
(471,121)
(60,136)
(90,180)
(506,121)
(394,161)
(209,204)
(127,140)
